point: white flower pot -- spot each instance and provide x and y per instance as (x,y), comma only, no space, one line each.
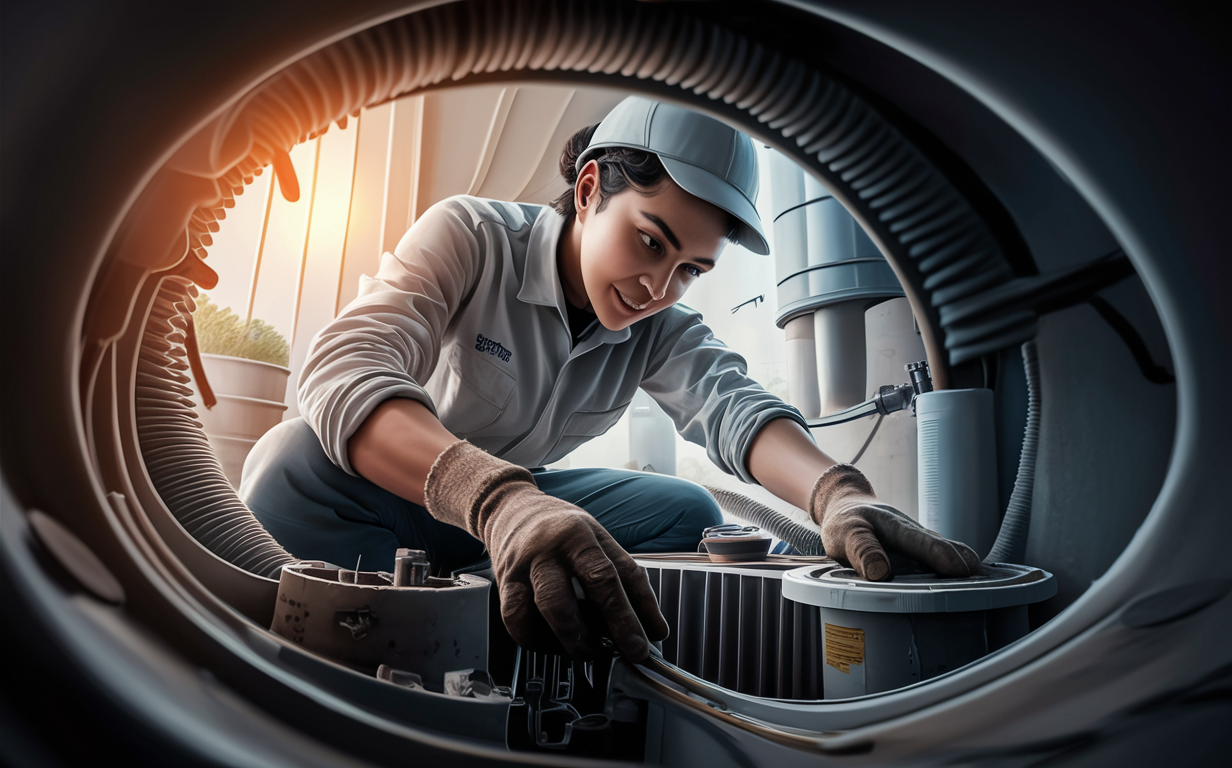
(246,378)
(251,401)
(236,416)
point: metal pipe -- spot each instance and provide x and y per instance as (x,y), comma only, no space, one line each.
(713,706)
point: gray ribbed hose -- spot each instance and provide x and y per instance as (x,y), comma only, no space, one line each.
(1011,544)
(806,540)
(177,456)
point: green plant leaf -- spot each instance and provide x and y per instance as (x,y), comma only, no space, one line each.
(221,332)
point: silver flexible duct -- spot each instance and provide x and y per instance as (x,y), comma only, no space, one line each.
(177,456)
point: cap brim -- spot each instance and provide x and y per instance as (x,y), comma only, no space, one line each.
(714,190)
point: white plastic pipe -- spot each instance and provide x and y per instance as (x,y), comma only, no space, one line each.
(802,366)
(957,466)
(838,333)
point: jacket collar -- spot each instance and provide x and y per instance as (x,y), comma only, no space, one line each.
(541,278)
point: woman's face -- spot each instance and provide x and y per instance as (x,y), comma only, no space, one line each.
(641,253)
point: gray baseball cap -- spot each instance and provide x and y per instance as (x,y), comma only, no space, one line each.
(706,157)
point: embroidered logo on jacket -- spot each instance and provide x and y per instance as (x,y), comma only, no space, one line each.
(484,344)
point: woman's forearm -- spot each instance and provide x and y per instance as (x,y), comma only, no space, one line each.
(396,446)
(786,461)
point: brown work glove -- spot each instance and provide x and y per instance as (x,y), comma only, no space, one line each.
(538,544)
(856,529)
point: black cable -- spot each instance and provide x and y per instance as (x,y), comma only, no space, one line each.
(1073,285)
(1154,373)
(869,441)
(866,408)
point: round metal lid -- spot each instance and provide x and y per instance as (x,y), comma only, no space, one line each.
(1000,586)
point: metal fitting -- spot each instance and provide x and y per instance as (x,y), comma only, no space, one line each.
(921,379)
(411,568)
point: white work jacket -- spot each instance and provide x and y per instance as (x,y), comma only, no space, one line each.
(468,317)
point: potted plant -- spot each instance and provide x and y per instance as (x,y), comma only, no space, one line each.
(246,366)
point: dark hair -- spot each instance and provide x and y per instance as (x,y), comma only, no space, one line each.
(619,169)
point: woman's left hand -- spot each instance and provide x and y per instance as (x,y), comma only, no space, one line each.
(857,529)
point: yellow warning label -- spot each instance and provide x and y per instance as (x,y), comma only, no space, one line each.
(844,647)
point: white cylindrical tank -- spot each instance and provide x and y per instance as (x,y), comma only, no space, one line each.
(888,455)
(957,466)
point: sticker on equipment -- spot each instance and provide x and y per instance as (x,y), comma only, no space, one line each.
(844,647)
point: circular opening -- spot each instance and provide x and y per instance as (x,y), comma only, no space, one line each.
(940,247)
(782,112)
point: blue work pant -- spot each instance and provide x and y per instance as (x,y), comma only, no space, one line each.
(319,512)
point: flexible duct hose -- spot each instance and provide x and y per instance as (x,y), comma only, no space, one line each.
(177,456)
(806,540)
(1011,544)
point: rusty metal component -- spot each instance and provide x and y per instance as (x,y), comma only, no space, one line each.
(357,622)
(362,619)
(284,173)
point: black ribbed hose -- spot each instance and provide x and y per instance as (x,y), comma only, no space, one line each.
(942,249)
(1011,544)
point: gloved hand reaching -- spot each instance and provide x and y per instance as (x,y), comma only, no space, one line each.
(857,529)
(538,544)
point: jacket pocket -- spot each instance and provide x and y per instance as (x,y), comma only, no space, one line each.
(592,423)
(580,427)
(470,392)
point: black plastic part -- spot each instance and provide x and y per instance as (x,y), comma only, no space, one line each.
(560,706)
(736,549)
(921,379)
(891,399)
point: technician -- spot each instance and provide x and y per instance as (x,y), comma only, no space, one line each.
(499,336)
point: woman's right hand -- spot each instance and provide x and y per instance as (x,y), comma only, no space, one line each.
(539,544)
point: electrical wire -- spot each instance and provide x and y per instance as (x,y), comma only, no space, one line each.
(869,441)
(1151,370)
